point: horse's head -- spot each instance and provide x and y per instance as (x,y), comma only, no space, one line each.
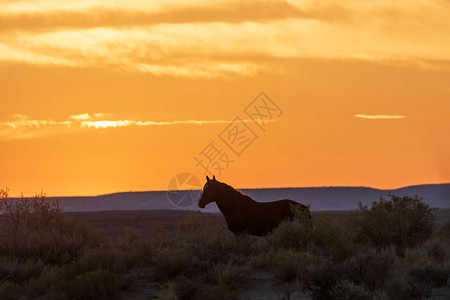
(209,192)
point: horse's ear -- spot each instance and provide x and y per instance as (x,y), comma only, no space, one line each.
(214,177)
(207,178)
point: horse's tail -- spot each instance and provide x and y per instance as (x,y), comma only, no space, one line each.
(300,211)
(308,211)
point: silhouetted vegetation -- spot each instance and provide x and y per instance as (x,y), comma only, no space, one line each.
(45,254)
(390,250)
(401,221)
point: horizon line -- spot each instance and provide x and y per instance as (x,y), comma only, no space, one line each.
(239,189)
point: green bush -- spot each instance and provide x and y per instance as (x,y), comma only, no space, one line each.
(400,221)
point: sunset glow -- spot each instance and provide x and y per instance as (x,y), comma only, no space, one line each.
(107,96)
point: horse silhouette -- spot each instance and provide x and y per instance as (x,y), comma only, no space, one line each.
(245,215)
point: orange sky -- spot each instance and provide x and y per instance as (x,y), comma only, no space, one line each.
(364,87)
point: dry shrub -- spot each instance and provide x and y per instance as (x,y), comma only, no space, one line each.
(229,275)
(93,285)
(437,249)
(65,282)
(167,292)
(105,258)
(49,281)
(186,288)
(289,265)
(322,237)
(330,241)
(369,268)
(216,292)
(290,235)
(293,234)
(415,275)
(193,249)
(345,290)
(19,271)
(444,231)
(400,221)
(288,288)
(36,228)
(10,291)
(432,275)
(173,262)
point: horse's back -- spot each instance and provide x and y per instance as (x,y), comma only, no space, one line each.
(265,216)
(285,205)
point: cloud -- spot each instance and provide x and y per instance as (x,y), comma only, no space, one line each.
(80,117)
(23,127)
(220,39)
(106,123)
(380,117)
(86,116)
(232,12)
(123,123)
(22,121)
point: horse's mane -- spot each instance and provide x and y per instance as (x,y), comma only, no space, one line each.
(232,193)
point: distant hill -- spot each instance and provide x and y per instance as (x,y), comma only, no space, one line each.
(320,198)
